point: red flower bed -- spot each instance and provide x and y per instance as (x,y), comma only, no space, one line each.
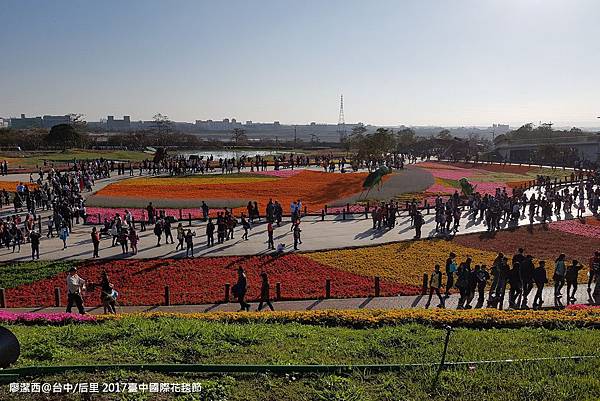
(540,242)
(202,280)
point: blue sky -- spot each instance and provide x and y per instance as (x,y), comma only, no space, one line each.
(461,62)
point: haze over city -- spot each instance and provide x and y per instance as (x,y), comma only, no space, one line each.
(414,63)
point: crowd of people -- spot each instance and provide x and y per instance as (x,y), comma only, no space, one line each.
(61,193)
(518,277)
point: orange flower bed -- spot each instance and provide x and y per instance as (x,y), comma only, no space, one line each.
(314,188)
(11,186)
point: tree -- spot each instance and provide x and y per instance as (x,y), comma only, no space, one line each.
(78,120)
(444,134)
(406,139)
(548,153)
(162,124)
(238,135)
(64,136)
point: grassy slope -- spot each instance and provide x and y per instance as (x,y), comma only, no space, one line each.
(179,341)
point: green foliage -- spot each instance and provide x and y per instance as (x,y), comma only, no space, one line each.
(168,340)
(373,146)
(15,274)
(64,136)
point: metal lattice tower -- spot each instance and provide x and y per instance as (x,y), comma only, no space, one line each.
(341,121)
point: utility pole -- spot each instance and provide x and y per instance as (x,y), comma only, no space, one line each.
(295,137)
(341,121)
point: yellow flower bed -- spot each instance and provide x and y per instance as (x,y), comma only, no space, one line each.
(365,318)
(403,262)
(182,182)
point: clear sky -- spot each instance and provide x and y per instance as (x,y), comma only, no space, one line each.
(421,62)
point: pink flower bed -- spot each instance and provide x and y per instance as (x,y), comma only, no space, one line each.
(440,189)
(577,228)
(582,307)
(490,187)
(353,209)
(44,318)
(278,173)
(454,174)
(138,214)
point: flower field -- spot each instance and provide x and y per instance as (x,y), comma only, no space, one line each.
(138,214)
(11,186)
(198,281)
(586,229)
(485,177)
(314,188)
(302,276)
(572,316)
(403,262)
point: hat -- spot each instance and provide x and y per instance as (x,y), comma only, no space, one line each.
(72,269)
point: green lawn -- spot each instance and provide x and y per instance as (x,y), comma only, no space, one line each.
(32,159)
(167,340)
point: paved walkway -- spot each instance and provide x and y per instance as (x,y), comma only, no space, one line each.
(398,302)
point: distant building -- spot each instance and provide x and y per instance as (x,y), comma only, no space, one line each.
(118,125)
(51,121)
(25,122)
(224,125)
(39,122)
(4,122)
(521,149)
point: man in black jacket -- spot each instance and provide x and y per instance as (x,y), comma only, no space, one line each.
(540,278)
(526,273)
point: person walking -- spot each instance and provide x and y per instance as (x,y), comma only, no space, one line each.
(189,243)
(514,279)
(75,287)
(107,294)
(167,230)
(158,231)
(463,282)
(271,243)
(50,225)
(210,233)
(123,240)
(560,271)
(571,279)
(418,223)
(245,226)
(34,239)
(95,235)
(265,293)
(239,290)
(481,277)
(133,240)
(63,235)
(495,275)
(526,274)
(594,270)
(451,268)
(297,231)
(205,211)
(180,237)
(540,278)
(435,283)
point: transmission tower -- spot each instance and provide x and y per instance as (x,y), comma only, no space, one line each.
(341,121)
